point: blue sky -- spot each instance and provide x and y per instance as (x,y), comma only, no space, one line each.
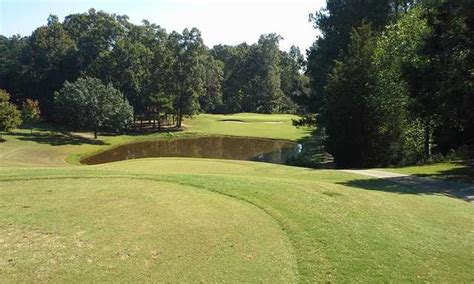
(220,21)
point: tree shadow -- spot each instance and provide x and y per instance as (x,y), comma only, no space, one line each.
(57,138)
(313,153)
(463,173)
(415,185)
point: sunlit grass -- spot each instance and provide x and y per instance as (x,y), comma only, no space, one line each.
(201,220)
(210,220)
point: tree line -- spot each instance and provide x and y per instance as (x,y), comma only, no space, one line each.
(164,76)
(393,81)
(388,82)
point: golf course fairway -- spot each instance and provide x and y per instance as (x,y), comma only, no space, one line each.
(207,220)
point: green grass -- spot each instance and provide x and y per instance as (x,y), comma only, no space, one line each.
(199,220)
(455,171)
(47,146)
(277,126)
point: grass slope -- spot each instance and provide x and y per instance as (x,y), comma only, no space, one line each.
(176,219)
(210,220)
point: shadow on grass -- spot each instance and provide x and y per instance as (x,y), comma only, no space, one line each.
(313,153)
(415,185)
(463,173)
(57,138)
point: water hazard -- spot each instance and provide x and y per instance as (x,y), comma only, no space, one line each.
(234,148)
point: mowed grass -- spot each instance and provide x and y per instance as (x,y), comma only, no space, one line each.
(454,171)
(278,126)
(199,220)
(132,229)
(47,146)
(208,220)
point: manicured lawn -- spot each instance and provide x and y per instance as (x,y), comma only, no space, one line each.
(209,220)
(48,146)
(198,220)
(248,124)
(444,171)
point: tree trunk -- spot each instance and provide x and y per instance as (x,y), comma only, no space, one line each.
(159,120)
(427,141)
(179,118)
(95,133)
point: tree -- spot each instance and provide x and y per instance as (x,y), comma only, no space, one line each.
(293,83)
(335,23)
(11,69)
(48,59)
(238,73)
(442,87)
(349,118)
(266,85)
(188,73)
(89,104)
(30,112)
(211,100)
(10,116)
(398,48)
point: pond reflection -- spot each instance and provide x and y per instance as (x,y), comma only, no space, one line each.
(234,148)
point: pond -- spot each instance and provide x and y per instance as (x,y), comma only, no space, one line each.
(234,148)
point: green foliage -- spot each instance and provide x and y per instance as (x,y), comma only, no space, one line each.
(260,77)
(442,87)
(49,60)
(89,104)
(335,23)
(211,100)
(399,46)
(188,73)
(30,111)
(294,84)
(10,116)
(350,114)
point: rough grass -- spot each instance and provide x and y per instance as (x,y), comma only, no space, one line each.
(198,220)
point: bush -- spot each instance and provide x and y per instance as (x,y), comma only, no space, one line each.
(91,105)
(10,116)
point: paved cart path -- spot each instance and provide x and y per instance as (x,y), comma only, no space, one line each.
(454,189)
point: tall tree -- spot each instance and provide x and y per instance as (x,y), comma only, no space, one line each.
(188,73)
(349,116)
(11,69)
(293,82)
(442,88)
(267,83)
(397,48)
(335,23)
(48,57)
(211,100)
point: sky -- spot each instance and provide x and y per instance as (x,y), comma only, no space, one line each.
(220,21)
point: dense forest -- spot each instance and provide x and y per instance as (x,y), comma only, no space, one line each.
(389,82)
(161,75)
(392,82)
